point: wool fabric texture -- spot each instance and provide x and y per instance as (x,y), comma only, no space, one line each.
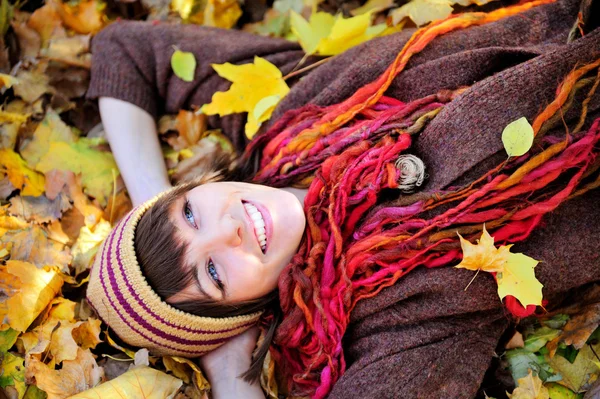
(120,294)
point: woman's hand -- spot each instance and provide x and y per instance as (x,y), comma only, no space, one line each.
(224,365)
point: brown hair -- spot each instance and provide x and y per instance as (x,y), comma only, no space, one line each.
(161,258)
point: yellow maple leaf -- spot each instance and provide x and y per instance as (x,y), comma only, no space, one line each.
(483,255)
(251,83)
(325,34)
(311,32)
(20,175)
(29,291)
(50,129)
(217,13)
(141,382)
(347,33)
(530,387)
(514,271)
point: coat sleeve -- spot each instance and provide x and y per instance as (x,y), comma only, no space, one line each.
(131,61)
(426,337)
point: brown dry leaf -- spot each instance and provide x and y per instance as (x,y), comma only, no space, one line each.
(47,23)
(33,246)
(67,182)
(39,209)
(118,206)
(191,128)
(55,232)
(20,175)
(579,328)
(74,377)
(70,82)
(29,290)
(142,382)
(203,158)
(516,341)
(71,223)
(73,51)
(32,84)
(83,17)
(29,39)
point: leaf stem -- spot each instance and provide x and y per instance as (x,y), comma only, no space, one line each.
(306,68)
(473,279)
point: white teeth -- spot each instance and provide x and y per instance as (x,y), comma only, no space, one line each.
(259,224)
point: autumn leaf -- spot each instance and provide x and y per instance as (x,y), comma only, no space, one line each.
(75,376)
(87,245)
(97,168)
(7,80)
(12,373)
(83,17)
(187,371)
(29,291)
(518,279)
(529,387)
(251,83)
(142,382)
(47,23)
(184,65)
(31,85)
(373,6)
(20,175)
(311,32)
(9,223)
(39,209)
(514,271)
(517,137)
(222,13)
(51,129)
(32,245)
(191,127)
(483,255)
(422,12)
(347,33)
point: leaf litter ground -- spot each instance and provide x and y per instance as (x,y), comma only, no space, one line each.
(60,193)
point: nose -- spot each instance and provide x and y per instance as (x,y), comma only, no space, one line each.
(231,230)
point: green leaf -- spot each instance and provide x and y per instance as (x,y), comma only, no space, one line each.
(539,338)
(556,322)
(7,339)
(184,65)
(97,168)
(581,374)
(557,391)
(517,137)
(12,373)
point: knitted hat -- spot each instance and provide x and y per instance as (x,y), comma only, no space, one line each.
(120,294)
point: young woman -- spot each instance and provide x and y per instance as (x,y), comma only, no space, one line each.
(351,276)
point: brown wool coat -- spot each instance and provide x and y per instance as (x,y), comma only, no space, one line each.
(424,337)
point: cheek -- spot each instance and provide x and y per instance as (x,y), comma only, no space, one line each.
(252,281)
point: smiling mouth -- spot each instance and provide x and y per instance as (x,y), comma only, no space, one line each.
(258,222)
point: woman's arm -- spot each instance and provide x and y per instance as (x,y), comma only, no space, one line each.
(133,139)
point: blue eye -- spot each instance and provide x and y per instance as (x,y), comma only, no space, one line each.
(212,272)
(187,212)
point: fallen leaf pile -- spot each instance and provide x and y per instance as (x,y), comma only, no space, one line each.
(61,193)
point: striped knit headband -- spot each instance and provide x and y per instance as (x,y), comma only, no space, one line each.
(120,294)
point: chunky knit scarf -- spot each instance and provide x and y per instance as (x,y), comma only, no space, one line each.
(356,244)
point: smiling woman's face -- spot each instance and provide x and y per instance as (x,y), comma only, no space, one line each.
(239,237)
